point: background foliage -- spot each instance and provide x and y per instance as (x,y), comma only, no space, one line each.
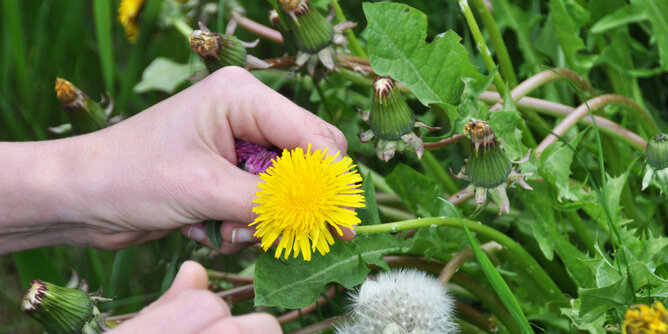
(578,250)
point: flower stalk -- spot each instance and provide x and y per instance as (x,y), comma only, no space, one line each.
(85,114)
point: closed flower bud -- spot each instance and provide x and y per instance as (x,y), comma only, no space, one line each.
(401,302)
(85,114)
(311,30)
(58,309)
(489,166)
(657,162)
(657,151)
(217,50)
(390,117)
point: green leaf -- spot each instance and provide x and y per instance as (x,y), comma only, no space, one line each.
(656,12)
(470,107)
(166,75)
(621,17)
(296,283)
(397,46)
(555,168)
(419,192)
(213,233)
(567,17)
(505,124)
(597,301)
(369,214)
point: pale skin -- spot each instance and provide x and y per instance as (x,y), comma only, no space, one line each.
(167,168)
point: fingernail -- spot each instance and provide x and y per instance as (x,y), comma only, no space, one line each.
(354,229)
(242,235)
(196,233)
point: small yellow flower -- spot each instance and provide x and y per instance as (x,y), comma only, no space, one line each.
(301,195)
(128,15)
(642,319)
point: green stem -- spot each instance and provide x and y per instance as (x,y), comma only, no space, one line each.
(430,163)
(394,213)
(522,258)
(481,45)
(182,26)
(350,36)
(505,65)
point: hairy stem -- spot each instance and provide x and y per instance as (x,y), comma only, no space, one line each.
(259,29)
(444,142)
(234,278)
(559,110)
(460,257)
(580,112)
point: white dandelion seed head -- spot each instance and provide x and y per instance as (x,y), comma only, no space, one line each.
(401,302)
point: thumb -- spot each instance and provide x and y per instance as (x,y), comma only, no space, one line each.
(191,276)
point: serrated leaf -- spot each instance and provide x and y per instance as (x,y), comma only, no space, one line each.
(523,23)
(296,283)
(397,45)
(555,167)
(166,75)
(470,107)
(505,124)
(597,301)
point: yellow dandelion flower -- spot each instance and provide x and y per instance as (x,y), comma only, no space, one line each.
(642,319)
(128,15)
(301,195)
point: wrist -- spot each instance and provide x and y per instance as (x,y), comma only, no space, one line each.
(34,197)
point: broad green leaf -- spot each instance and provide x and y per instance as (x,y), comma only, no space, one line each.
(296,283)
(166,75)
(470,107)
(621,17)
(657,12)
(594,325)
(213,233)
(541,203)
(555,168)
(419,192)
(397,46)
(436,242)
(597,301)
(505,124)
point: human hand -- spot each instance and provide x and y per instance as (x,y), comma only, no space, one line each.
(188,307)
(171,166)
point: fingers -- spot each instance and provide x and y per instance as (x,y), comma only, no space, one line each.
(235,236)
(190,312)
(191,275)
(258,114)
(256,323)
(347,233)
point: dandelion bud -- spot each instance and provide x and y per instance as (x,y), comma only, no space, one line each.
(657,162)
(657,151)
(217,50)
(58,309)
(84,113)
(489,166)
(390,116)
(404,301)
(311,30)
(643,319)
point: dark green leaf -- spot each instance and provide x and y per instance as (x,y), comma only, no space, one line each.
(397,47)
(213,233)
(296,283)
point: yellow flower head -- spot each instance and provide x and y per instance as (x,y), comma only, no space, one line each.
(301,195)
(642,319)
(128,15)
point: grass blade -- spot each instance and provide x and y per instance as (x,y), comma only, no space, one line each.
(102,13)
